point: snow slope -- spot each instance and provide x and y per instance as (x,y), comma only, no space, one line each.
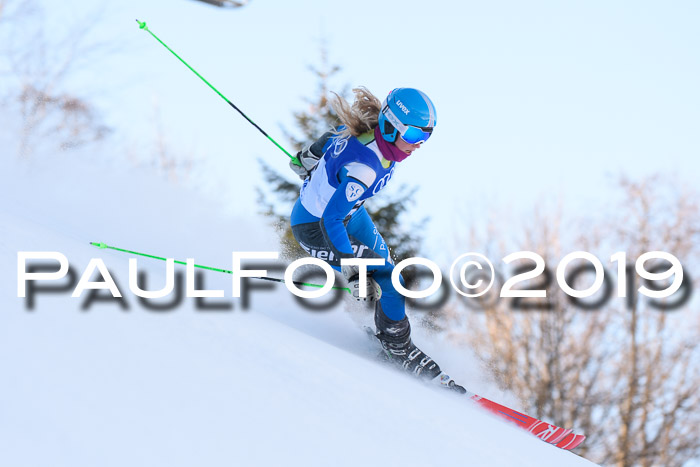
(273,385)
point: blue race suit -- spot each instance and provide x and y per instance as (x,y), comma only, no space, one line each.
(329,220)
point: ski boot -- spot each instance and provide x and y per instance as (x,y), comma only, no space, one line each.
(399,349)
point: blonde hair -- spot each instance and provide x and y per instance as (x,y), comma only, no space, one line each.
(360,117)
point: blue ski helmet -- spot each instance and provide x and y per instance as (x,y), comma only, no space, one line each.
(407,112)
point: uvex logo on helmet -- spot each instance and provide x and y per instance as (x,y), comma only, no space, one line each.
(402,107)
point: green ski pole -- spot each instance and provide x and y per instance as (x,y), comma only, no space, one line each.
(103,246)
(142,25)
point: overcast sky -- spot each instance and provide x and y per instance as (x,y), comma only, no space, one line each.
(535,100)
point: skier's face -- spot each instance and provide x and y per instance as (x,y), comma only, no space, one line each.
(405,147)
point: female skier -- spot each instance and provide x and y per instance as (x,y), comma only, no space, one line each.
(341,171)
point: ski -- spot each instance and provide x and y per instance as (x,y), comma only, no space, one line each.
(560,437)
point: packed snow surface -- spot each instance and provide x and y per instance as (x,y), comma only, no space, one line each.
(274,384)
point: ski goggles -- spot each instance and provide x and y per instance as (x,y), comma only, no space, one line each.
(409,133)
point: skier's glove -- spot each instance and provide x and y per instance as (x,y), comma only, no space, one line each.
(308,161)
(309,156)
(352,275)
